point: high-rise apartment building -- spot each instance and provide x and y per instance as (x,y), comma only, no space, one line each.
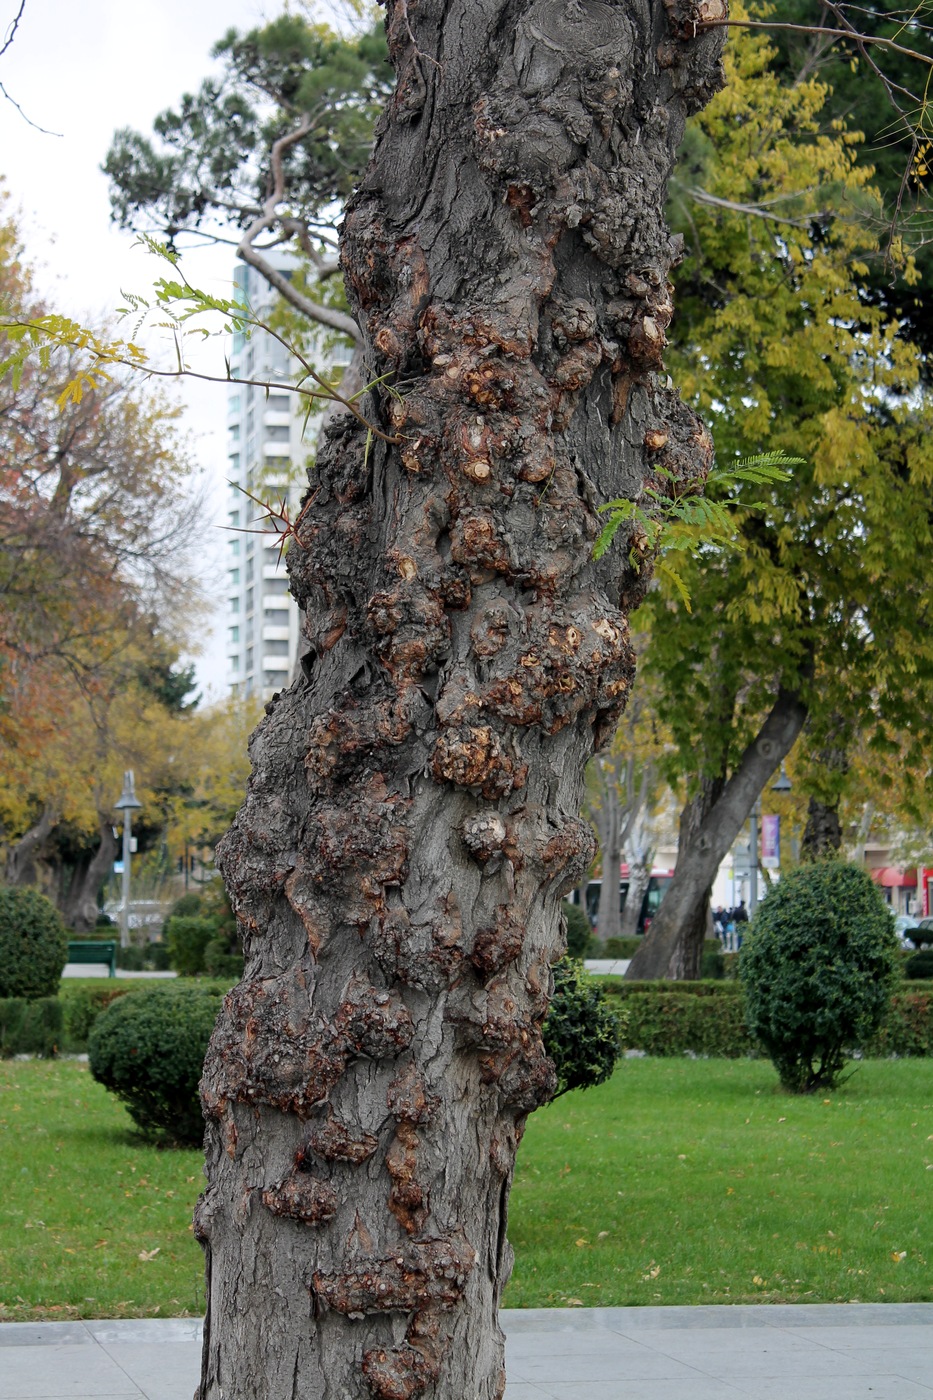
(268,456)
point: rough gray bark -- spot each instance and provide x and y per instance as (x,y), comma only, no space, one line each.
(709,825)
(412,816)
(80,911)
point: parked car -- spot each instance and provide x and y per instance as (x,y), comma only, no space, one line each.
(922,934)
(903,925)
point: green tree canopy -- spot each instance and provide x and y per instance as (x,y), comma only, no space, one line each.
(821,612)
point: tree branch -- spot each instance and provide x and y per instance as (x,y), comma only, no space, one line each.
(267,219)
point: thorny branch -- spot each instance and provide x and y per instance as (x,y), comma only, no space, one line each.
(10,36)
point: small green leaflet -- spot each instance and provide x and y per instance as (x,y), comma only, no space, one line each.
(671,522)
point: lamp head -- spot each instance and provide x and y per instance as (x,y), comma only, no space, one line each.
(127,801)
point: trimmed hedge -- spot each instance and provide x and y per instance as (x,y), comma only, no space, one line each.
(33,944)
(149,1049)
(663,1019)
(708,1018)
(30,1027)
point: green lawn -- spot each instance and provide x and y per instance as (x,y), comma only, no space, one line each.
(699,1181)
(92,1222)
(680,1181)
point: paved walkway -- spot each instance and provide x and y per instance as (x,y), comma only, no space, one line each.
(782,1352)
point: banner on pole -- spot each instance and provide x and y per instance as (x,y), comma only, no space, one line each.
(771,842)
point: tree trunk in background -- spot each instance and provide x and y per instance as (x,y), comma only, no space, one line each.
(20,865)
(411,821)
(80,912)
(822,835)
(708,826)
(639,854)
(607,919)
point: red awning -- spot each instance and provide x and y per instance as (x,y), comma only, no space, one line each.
(891,878)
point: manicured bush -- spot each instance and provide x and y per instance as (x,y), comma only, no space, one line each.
(907,1029)
(148,1049)
(30,1027)
(187,937)
(818,966)
(579,934)
(621,947)
(83,1005)
(712,960)
(581,1033)
(187,906)
(920,965)
(219,961)
(33,944)
(665,1019)
(158,958)
(130,959)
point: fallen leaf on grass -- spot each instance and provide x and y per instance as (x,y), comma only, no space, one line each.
(898,1255)
(147,1254)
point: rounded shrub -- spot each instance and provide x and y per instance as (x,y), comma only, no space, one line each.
(148,1049)
(580,1033)
(187,937)
(818,967)
(33,944)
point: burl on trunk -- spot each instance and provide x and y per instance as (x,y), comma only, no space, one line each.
(412,816)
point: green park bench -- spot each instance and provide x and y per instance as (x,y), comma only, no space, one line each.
(102,951)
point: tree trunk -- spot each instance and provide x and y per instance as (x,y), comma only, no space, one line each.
(822,835)
(411,821)
(20,866)
(607,920)
(639,853)
(80,911)
(708,827)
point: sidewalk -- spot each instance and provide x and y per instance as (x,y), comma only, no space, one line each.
(782,1352)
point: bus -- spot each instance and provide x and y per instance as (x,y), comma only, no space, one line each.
(657,888)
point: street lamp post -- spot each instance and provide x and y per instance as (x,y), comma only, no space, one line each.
(127,803)
(753,861)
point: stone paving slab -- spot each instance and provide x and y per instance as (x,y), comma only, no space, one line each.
(778,1352)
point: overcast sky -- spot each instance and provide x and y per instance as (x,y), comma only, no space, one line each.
(84,68)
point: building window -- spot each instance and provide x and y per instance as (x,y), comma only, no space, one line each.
(234,605)
(234,576)
(234,518)
(275,679)
(234,465)
(234,432)
(277,403)
(277,615)
(249,658)
(233,633)
(234,663)
(276,587)
(275,648)
(234,546)
(249,600)
(277,433)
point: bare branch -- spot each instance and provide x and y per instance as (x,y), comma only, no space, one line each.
(266,220)
(877,40)
(11,32)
